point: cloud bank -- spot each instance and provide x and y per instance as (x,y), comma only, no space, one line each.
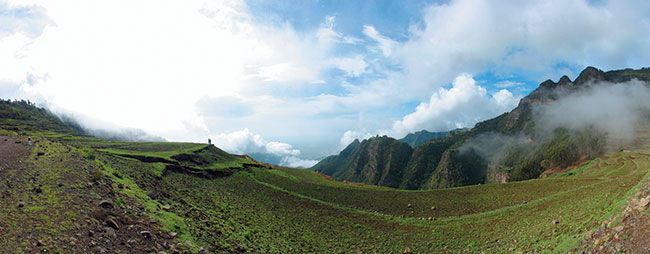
(189,70)
(616,109)
(462,105)
(247,142)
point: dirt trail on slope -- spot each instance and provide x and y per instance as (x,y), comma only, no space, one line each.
(55,200)
(629,230)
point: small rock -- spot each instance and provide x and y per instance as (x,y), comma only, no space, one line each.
(407,251)
(555,222)
(525,202)
(110,232)
(21,204)
(409,206)
(172,234)
(619,228)
(146,234)
(166,207)
(106,204)
(39,243)
(113,224)
(644,202)
(433,208)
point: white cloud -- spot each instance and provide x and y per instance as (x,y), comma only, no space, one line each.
(295,162)
(508,84)
(24,19)
(351,135)
(152,65)
(353,66)
(462,105)
(279,148)
(385,44)
(506,36)
(247,142)
(144,69)
(240,142)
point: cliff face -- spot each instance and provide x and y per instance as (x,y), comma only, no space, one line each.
(440,163)
(378,161)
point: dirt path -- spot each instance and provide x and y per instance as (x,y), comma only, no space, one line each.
(627,231)
(55,200)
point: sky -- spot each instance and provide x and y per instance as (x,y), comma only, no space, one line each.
(299,80)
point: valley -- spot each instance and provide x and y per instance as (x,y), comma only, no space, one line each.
(279,210)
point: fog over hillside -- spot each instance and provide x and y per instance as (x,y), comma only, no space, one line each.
(614,110)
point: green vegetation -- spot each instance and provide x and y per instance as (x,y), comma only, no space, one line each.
(68,193)
(451,161)
(526,161)
(22,117)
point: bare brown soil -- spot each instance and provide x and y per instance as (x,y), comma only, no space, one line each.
(50,203)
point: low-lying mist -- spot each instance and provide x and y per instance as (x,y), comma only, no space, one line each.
(580,124)
(89,126)
(616,109)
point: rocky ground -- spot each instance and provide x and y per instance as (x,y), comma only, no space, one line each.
(55,200)
(625,232)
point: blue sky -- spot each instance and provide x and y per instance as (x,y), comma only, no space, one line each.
(299,80)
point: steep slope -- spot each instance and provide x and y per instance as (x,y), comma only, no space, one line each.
(449,162)
(21,116)
(420,137)
(377,160)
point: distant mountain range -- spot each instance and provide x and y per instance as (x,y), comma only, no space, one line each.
(426,160)
(420,137)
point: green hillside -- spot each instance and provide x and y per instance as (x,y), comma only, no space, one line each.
(279,210)
(453,160)
(377,161)
(68,193)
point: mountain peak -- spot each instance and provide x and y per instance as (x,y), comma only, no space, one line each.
(564,80)
(548,83)
(590,74)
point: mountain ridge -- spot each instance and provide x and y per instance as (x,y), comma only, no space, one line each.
(438,163)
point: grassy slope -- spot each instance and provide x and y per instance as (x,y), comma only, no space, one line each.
(286,209)
(490,212)
(283,209)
